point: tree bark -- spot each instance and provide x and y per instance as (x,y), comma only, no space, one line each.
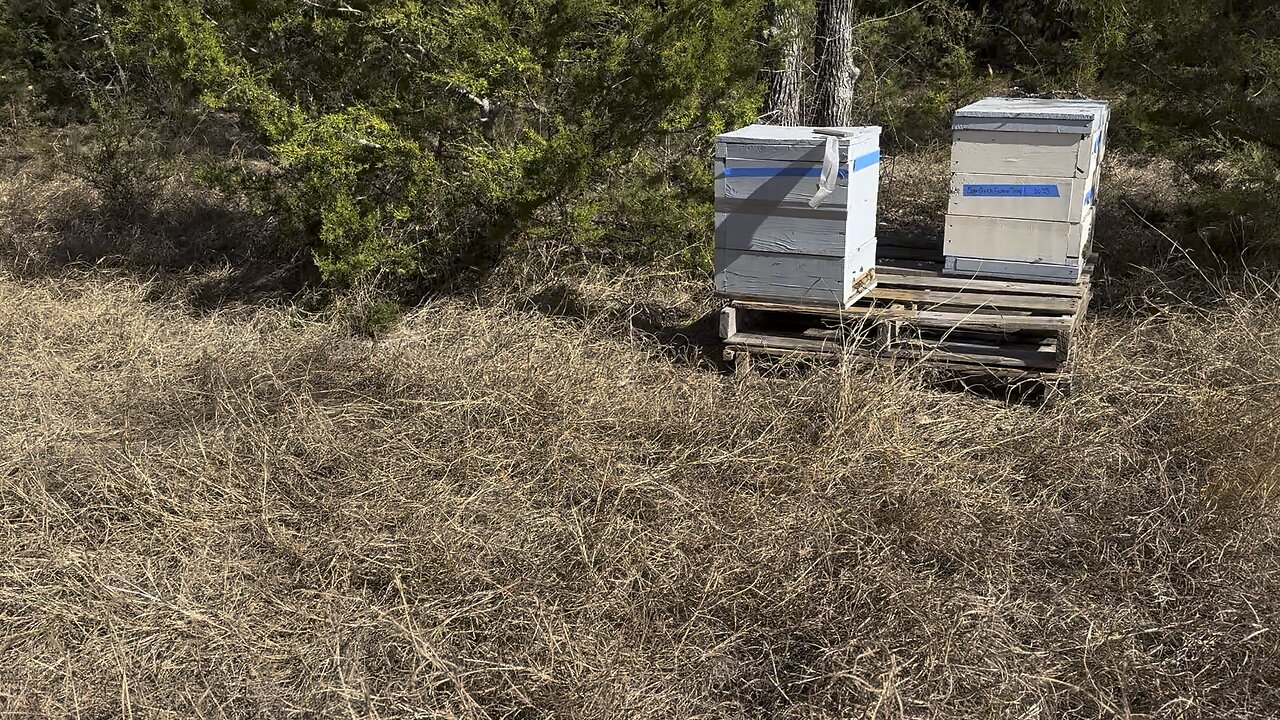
(833,55)
(782,98)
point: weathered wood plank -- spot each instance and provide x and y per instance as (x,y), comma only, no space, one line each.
(974,321)
(1011,355)
(728,321)
(918,350)
(1066,338)
(1042,354)
(962,369)
(782,342)
(890,276)
(997,322)
(962,298)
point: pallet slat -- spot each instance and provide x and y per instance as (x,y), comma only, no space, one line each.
(891,276)
(927,318)
(914,351)
(782,342)
(962,298)
(740,355)
(1007,356)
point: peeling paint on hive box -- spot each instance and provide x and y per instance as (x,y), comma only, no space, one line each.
(769,242)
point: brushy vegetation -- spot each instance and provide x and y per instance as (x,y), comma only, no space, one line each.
(417,144)
(542,501)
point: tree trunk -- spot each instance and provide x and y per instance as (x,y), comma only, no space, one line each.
(833,54)
(782,99)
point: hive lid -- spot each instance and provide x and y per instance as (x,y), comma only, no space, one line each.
(798,135)
(1076,117)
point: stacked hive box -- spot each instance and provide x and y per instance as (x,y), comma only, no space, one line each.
(1024,183)
(771,243)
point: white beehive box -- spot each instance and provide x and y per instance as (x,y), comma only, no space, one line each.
(770,243)
(1023,187)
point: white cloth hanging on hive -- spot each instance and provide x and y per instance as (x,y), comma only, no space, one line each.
(830,171)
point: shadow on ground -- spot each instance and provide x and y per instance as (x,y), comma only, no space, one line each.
(186,241)
(666,330)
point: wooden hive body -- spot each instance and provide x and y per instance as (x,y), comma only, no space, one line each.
(1024,186)
(770,243)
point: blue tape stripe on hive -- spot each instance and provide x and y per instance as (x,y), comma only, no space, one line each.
(1035,191)
(860,163)
(866,161)
(777,172)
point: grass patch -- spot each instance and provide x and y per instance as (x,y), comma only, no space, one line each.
(531,506)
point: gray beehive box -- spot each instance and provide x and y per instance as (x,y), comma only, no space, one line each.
(1023,188)
(772,241)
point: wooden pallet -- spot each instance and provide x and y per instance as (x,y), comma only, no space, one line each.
(1007,330)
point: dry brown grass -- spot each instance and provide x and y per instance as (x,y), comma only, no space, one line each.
(527,508)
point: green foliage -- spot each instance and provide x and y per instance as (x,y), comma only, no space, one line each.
(917,66)
(37,47)
(121,156)
(415,139)
(421,141)
(1196,81)
(659,211)
(60,58)
(371,316)
(14,77)
(1183,69)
